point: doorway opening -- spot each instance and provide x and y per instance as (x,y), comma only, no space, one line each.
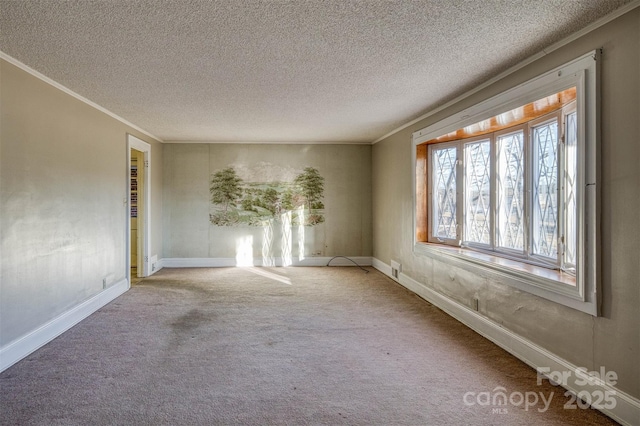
(138,236)
(137,207)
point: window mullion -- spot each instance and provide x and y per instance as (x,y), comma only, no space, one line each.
(561,190)
(460,192)
(528,184)
(493,187)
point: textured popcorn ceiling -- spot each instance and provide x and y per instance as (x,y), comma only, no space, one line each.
(287,71)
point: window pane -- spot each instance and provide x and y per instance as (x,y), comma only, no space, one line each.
(510,191)
(477,189)
(571,187)
(545,190)
(444,193)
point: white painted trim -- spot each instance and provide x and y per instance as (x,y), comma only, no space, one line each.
(144,147)
(627,409)
(273,142)
(341,261)
(70,92)
(227,262)
(544,287)
(29,343)
(582,73)
(137,143)
(204,262)
(589,28)
(579,72)
(158,263)
(383,267)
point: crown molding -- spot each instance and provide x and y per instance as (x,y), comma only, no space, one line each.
(270,142)
(70,92)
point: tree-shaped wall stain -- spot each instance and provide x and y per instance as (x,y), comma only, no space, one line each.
(236,202)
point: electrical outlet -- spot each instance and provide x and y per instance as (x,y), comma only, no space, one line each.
(104,283)
(317,253)
(474,303)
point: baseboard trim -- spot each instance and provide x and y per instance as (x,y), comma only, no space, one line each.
(627,408)
(226,262)
(158,265)
(29,343)
(383,267)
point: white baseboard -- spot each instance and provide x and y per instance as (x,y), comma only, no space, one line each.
(627,408)
(29,343)
(383,267)
(195,262)
(158,265)
(221,262)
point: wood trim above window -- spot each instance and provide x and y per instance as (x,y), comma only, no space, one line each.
(511,118)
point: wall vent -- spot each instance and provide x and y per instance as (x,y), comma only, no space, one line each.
(396,268)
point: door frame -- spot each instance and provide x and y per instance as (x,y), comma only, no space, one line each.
(139,145)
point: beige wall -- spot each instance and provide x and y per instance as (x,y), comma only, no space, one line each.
(62,217)
(613,340)
(187,174)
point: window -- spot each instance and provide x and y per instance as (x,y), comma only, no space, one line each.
(510,186)
(481,199)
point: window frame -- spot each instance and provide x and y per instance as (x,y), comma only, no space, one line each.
(566,111)
(527,253)
(524,129)
(475,244)
(430,208)
(581,293)
(538,122)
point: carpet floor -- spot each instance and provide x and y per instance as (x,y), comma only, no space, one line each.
(276,346)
